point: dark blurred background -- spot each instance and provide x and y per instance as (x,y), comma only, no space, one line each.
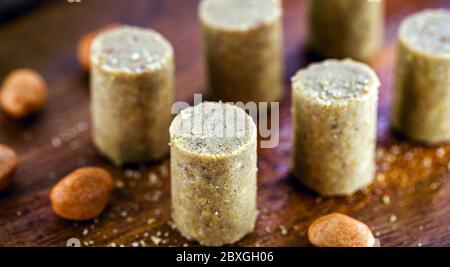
(12,8)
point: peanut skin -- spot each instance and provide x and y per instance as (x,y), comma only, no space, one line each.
(339,230)
(8,164)
(84,45)
(23,93)
(83,194)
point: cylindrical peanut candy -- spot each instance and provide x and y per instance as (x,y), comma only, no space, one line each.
(243,43)
(213,173)
(334,126)
(346,28)
(422,89)
(132,80)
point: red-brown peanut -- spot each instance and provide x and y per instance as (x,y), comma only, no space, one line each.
(339,230)
(23,93)
(8,164)
(83,194)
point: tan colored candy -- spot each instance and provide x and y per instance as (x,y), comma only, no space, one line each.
(23,93)
(83,194)
(8,164)
(339,230)
(84,45)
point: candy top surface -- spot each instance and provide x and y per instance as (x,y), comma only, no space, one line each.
(336,81)
(239,14)
(428,31)
(212,128)
(131,49)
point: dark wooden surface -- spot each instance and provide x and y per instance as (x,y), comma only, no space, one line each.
(409,204)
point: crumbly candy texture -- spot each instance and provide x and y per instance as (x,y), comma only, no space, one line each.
(243,43)
(8,165)
(422,95)
(83,194)
(339,230)
(132,84)
(213,180)
(334,126)
(346,28)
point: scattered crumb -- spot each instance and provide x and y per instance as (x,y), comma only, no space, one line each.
(156,196)
(153,179)
(85,232)
(120,184)
(434,186)
(163,171)
(82,126)
(283,230)
(440,152)
(381,177)
(386,200)
(157,212)
(156,240)
(427,162)
(395,150)
(392,218)
(133,174)
(56,142)
(171,224)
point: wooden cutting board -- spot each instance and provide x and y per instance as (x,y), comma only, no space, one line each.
(409,204)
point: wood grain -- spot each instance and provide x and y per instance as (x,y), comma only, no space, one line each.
(409,205)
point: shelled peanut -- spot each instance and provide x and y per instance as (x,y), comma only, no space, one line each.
(83,194)
(23,93)
(339,230)
(8,164)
